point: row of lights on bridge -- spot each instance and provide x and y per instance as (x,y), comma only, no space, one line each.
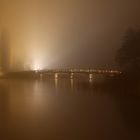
(83,70)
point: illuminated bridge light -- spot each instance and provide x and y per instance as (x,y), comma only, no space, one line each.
(71,75)
(56,75)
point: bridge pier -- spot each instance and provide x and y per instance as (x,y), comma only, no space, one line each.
(90,76)
(71,75)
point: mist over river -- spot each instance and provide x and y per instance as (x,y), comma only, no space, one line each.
(66,109)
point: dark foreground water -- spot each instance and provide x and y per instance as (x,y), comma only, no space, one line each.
(66,110)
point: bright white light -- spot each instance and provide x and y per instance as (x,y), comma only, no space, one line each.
(37,62)
(37,67)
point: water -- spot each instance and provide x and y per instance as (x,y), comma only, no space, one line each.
(66,109)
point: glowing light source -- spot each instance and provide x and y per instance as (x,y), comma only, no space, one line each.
(56,76)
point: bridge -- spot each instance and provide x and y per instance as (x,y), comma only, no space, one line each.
(58,73)
(73,72)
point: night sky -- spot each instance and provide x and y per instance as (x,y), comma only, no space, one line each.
(65,33)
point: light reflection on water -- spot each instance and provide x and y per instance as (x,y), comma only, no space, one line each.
(56,83)
(72,83)
(65,109)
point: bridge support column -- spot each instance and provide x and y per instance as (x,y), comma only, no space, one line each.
(71,75)
(90,76)
(91,79)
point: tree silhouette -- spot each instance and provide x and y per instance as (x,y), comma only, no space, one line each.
(128,56)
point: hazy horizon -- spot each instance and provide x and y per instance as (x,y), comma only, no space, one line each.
(62,34)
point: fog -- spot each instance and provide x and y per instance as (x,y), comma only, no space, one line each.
(43,34)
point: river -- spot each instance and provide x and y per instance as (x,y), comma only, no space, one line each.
(66,109)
